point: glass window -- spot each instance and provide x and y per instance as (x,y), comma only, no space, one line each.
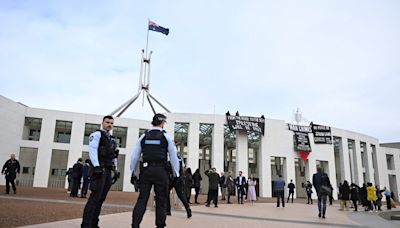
(390,161)
(63,131)
(181,138)
(32,127)
(120,134)
(230,150)
(205,142)
(89,129)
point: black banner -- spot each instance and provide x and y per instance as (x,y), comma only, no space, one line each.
(302,141)
(298,128)
(254,124)
(322,134)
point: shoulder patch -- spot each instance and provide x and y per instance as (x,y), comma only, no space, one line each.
(90,138)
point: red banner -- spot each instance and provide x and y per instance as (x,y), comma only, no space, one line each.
(304,155)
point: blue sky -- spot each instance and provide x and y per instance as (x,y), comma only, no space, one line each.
(338,61)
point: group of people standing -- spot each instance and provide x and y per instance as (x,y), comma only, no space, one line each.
(75,175)
(369,196)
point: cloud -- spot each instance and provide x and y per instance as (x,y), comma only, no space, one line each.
(338,61)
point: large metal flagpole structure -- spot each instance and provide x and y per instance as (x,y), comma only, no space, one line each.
(144,84)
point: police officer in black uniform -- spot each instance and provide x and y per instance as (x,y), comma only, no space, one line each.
(103,155)
(155,146)
(10,169)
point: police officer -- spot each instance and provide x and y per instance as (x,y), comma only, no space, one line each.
(10,169)
(103,155)
(155,146)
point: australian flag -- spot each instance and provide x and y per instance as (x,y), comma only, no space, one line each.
(154,27)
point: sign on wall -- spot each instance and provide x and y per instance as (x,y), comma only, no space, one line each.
(252,124)
(322,134)
(301,140)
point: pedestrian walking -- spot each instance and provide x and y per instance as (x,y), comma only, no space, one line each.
(354,195)
(10,169)
(178,184)
(323,188)
(371,196)
(344,191)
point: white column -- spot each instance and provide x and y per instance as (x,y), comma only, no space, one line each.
(358,165)
(242,160)
(290,173)
(345,161)
(217,154)
(370,165)
(43,160)
(75,151)
(193,145)
(132,137)
(264,165)
(332,172)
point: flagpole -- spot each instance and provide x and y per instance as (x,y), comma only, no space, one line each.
(147,39)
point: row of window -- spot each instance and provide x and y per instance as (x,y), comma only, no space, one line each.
(62,132)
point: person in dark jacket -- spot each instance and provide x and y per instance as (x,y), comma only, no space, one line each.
(322,186)
(291,188)
(196,184)
(230,186)
(354,195)
(77,176)
(85,177)
(309,192)
(188,183)
(363,197)
(240,186)
(213,181)
(344,191)
(10,168)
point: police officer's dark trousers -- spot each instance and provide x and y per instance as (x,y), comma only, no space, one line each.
(152,175)
(10,178)
(99,185)
(178,185)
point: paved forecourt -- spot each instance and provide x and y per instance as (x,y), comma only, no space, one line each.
(234,215)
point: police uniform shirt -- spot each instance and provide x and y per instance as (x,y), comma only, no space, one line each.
(172,153)
(94,141)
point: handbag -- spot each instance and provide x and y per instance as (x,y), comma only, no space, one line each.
(325,190)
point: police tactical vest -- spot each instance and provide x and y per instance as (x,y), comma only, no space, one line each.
(154,146)
(106,151)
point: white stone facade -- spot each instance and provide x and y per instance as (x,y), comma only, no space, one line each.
(353,164)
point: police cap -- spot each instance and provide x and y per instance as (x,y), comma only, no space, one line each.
(158,119)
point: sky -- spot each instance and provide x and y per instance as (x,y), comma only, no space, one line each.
(338,61)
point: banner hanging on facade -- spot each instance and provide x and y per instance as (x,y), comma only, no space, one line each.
(322,134)
(301,140)
(252,124)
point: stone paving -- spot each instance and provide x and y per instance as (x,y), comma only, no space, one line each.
(258,215)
